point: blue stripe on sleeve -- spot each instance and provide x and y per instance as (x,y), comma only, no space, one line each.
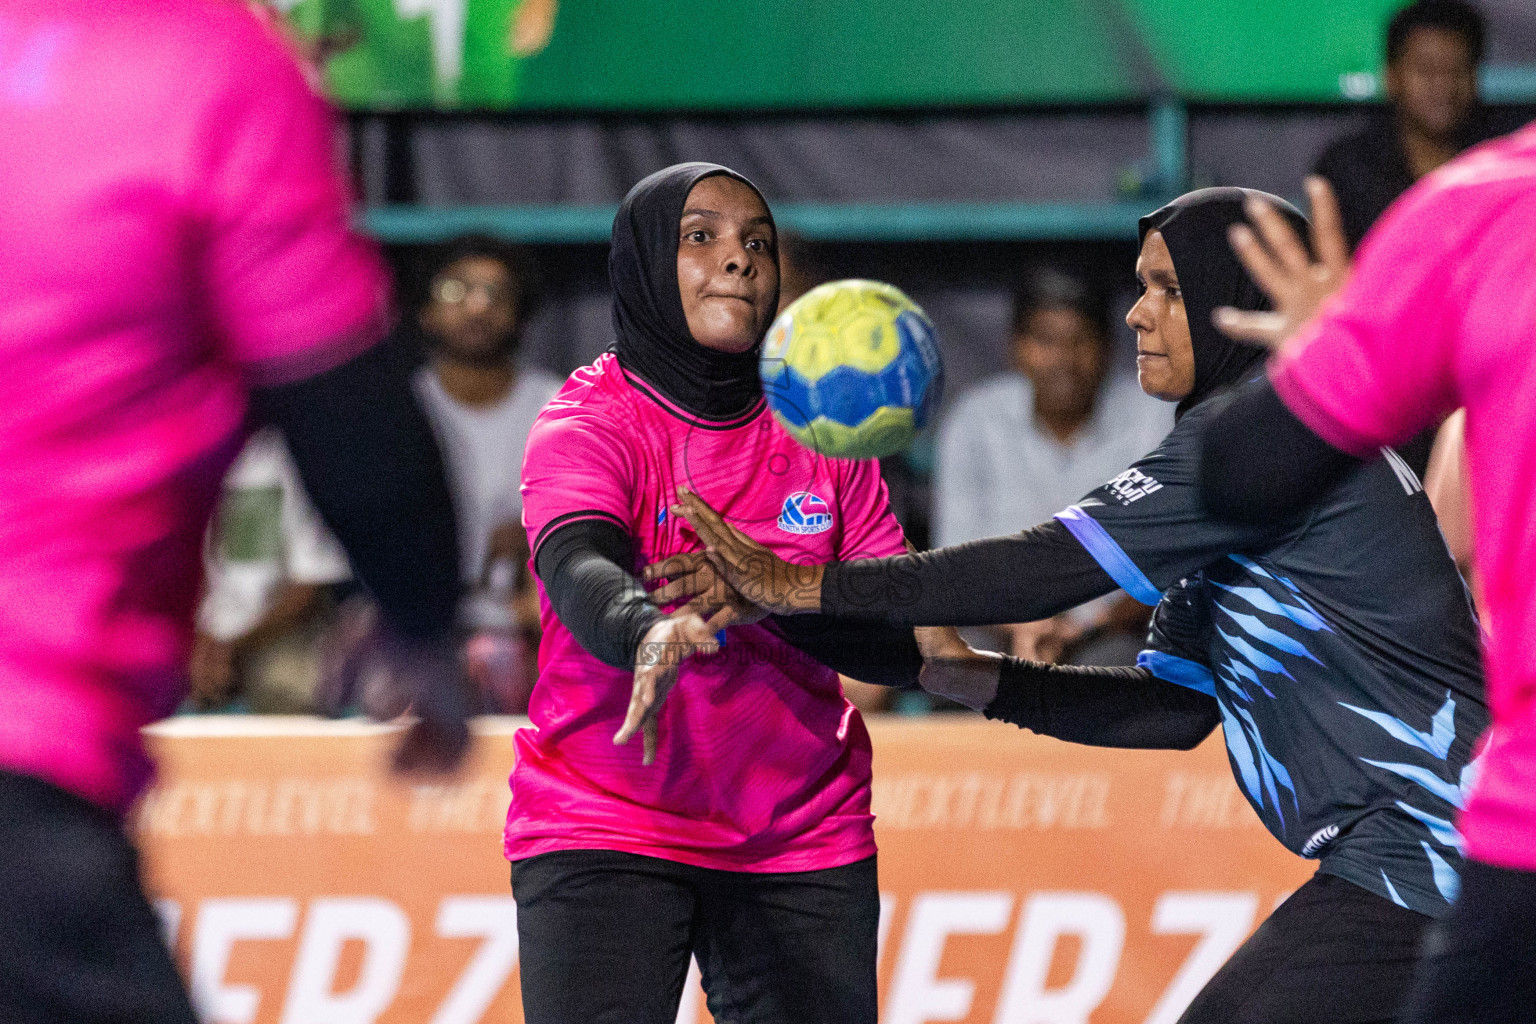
(1110,556)
(1174,669)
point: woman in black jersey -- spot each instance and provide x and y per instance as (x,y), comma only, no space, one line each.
(1336,648)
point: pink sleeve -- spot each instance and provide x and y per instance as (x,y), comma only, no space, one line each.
(292,289)
(870,530)
(1376,366)
(576,466)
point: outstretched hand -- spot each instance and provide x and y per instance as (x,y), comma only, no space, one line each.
(756,573)
(1278,261)
(368,665)
(951,668)
(657,662)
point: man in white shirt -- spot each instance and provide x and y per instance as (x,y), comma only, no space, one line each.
(1024,444)
(482,406)
(269,566)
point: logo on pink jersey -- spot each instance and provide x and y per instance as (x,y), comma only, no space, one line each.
(804,512)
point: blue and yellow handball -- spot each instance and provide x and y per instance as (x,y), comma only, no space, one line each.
(852,369)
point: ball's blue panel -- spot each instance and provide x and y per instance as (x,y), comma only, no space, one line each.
(790,397)
(849,396)
(920,341)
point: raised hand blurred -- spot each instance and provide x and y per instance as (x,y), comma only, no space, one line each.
(1296,281)
(369,666)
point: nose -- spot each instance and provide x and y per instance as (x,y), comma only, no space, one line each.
(738,260)
(1138,318)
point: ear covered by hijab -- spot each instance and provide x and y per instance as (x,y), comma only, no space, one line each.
(654,342)
(1210,275)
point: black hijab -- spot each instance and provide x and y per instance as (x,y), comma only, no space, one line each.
(1210,275)
(653,338)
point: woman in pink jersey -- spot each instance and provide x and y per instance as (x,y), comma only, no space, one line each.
(741,833)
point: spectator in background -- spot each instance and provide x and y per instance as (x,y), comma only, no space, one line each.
(270,566)
(1026,443)
(482,406)
(1433,50)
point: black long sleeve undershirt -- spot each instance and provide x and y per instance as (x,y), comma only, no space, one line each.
(607,610)
(869,652)
(371,466)
(1102,707)
(598,600)
(1259,463)
(1024,577)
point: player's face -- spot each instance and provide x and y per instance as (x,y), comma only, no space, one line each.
(472,311)
(1062,354)
(727,265)
(1433,82)
(1165,355)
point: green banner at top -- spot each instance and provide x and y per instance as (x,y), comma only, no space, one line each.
(658,55)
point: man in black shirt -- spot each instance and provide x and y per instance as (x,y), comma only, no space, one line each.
(1433,50)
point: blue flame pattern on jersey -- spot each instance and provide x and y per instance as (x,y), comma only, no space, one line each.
(1271,650)
(1343,653)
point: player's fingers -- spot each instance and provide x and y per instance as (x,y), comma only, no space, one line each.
(725,568)
(1268,329)
(1327,225)
(1259,262)
(704,605)
(678,565)
(649,734)
(727,616)
(698,511)
(640,702)
(712,529)
(681,588)
(697,636)
(1289,249)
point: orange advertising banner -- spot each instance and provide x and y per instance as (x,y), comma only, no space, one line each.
(1023,880)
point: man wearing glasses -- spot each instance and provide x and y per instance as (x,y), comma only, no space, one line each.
(482,406)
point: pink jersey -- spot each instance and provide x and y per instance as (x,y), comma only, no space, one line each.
(1440,313)
(762,764)
(174,231)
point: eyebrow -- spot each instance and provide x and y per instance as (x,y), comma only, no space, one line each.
(1165,277)
(701,212)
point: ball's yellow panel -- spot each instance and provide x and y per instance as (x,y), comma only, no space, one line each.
(844,323)
(868,341)
(815,350)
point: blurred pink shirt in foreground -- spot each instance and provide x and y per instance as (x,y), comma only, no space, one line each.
(1441,312)
(175,232)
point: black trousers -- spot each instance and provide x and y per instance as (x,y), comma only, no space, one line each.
(1331,952)
(1479,964)
(78,940)
(605,938)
